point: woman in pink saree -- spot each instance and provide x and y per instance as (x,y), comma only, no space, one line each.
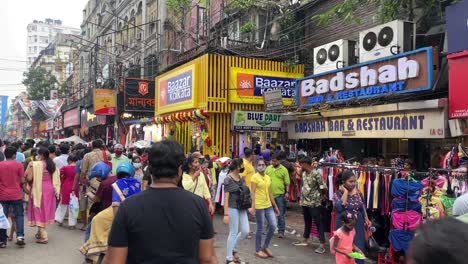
(44,180)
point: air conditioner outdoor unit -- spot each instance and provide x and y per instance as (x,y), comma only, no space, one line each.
(334,55)
(386,40)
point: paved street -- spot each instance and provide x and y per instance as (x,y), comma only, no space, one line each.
(63,248)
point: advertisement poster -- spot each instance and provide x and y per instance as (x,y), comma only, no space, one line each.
(139,95)
(176,90)
(421,124)
(248,85)
(104,102)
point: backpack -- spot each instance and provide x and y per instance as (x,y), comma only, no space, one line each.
(244,201)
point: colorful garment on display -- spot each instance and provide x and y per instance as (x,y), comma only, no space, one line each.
(407,188)
(408,220)
(400,239)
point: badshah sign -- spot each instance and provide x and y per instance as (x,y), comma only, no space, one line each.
(411,124)
(403,73)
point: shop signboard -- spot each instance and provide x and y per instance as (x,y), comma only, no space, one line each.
(104,102)
(139,95)
(403,73)
(273,100)
(91,120)
(458,85)
(176,90)
(3,108)
(71,118)
(246,86)
(258,121)
(411,124)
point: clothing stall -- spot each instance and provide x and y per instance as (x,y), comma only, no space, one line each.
(397,201)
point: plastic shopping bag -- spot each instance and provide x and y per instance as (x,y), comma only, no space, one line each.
(4,223)
(74,204)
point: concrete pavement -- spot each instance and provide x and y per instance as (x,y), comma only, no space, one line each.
(63,248)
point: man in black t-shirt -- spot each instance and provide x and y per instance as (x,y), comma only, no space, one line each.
(163,224)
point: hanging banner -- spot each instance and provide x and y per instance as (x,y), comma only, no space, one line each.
(139,95)
(458,85)
(260,121)
(403,73)
(51,108)
(423,124)
(104,102)
(247,85)
(29,107)
(176,90)
(3,108)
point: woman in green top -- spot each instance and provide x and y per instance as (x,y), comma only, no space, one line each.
(263,206)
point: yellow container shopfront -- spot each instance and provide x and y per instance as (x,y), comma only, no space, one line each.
(195,100)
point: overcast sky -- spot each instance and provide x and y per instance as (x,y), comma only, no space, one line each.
(15,15)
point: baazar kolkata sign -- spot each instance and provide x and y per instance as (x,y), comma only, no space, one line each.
(408,72)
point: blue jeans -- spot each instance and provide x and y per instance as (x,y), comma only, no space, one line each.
(87,232)
(18,212)
(260,215)
(238,229)
(281,203)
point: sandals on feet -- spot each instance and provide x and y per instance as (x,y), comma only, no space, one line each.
(42,241)
(261,254)
(268,252)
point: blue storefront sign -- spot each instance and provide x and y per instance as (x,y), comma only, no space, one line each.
(403,73)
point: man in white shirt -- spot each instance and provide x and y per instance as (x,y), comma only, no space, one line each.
(62,160)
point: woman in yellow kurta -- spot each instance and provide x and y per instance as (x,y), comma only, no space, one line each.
(194,181)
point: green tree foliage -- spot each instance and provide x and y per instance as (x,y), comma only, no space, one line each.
(388,10)
(39,83)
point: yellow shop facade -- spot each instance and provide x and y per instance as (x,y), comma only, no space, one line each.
(195,102)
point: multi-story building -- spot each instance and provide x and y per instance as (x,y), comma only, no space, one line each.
(57,57)
(42,33)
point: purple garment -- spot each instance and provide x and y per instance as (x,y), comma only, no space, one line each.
(266,155)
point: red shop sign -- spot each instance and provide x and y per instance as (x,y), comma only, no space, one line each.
(458,85)
(71,118)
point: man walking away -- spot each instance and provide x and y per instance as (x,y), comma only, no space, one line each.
(164,224)
(11,196)
(62,160)
(279,184)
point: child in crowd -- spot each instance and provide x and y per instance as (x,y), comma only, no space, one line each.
(343,240)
